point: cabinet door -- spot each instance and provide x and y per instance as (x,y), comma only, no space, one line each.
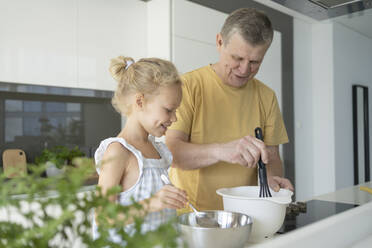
(38,42)
(107,29)
(194,39)
(189,55)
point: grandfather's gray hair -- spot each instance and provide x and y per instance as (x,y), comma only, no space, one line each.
(253,25)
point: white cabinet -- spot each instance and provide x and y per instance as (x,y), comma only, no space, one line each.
(107,29)
(191,54)
(194,39)
(192,35)
(196,22)
(38,42)
(69,43)
(159,29)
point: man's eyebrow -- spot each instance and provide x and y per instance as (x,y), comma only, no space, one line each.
(237,56)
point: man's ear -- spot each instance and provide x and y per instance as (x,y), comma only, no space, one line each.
(219,41)
(140,100)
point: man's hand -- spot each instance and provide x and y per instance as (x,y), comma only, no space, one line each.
(245,151)
(276,183)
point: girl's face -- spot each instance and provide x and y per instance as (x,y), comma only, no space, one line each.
(159,110)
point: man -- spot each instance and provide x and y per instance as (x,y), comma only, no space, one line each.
(213,141)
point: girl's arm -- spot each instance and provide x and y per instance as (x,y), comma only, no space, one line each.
(113,169)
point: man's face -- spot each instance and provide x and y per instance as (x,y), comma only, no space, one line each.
(239,60)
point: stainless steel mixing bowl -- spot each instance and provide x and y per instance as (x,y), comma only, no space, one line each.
(233,230)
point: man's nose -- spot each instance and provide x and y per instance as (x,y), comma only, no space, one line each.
(244,68)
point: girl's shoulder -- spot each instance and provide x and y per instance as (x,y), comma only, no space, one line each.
(114,149)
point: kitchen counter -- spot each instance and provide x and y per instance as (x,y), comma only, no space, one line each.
(89,185)
(351,228)
(352,195)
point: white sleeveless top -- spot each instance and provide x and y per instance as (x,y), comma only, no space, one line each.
(147,184)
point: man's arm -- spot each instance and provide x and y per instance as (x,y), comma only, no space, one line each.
(275,166)
(188,156)
(275,171)
(245,151)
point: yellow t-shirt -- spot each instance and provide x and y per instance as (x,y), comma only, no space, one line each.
(213,112)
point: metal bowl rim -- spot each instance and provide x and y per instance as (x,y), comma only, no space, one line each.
(249,223)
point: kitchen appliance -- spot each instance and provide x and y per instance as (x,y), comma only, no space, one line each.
(315,210)
(233,231)
(326,9)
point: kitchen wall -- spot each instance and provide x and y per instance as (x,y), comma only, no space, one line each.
(323,108)
(303,109)
(352,65)
(329,58)
(314,108)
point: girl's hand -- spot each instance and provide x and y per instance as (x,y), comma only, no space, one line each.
(168,197)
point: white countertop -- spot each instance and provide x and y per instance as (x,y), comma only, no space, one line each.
(53,193)
(351,228)
(352,195)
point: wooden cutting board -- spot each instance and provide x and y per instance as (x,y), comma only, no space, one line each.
(14,163)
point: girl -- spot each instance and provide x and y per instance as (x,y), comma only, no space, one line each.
(148,94)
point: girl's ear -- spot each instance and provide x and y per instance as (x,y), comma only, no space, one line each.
(140,100)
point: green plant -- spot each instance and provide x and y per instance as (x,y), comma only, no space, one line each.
(59,155)
(53,212)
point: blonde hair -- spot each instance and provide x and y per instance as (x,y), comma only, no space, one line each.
(144,76)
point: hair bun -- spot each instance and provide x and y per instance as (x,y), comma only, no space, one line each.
(118,66)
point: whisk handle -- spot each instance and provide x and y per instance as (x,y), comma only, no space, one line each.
(258,133)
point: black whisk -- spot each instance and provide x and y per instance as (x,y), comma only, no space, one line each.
(264,187)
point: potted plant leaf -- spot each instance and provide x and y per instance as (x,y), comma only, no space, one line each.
(57,158)
(57,212)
